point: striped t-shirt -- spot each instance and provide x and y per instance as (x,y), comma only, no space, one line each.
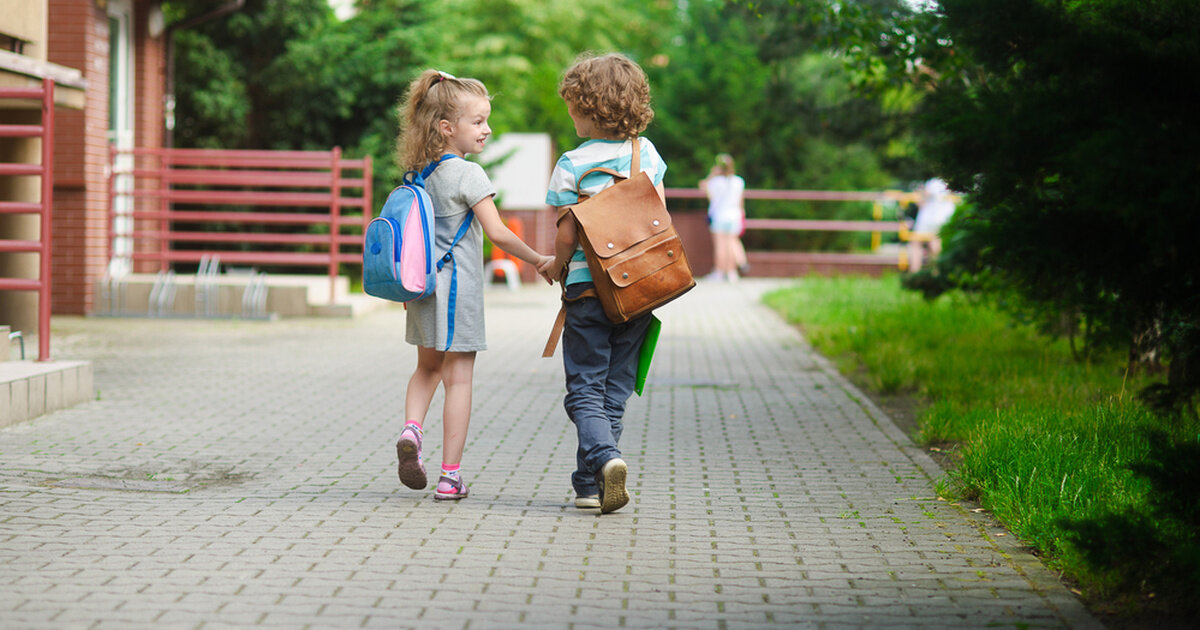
(613,154)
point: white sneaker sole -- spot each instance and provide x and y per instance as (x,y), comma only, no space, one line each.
(613,496)
(587,503)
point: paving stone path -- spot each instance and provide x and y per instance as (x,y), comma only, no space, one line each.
(236,474)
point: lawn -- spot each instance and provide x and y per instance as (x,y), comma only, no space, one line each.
(1061,451)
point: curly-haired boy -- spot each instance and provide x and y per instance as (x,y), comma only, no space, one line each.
(608,99)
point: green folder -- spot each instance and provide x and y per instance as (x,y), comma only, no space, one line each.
(647,353)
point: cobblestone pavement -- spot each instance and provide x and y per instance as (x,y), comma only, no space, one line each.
(236,473)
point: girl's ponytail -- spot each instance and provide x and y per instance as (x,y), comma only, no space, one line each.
(432,97)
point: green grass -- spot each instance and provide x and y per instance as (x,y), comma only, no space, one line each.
(1044,442)
(962,357)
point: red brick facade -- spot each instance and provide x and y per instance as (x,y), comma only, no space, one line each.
(79,38)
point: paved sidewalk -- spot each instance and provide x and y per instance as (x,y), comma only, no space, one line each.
(243,474)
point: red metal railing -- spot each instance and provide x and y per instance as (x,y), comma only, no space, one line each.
(179,194)
(44,170)
(875,226)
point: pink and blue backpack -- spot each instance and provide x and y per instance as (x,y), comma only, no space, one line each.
(398,259)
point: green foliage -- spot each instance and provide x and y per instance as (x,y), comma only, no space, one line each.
(520,48)
(291,76)
(960,352)
(1039,462)
(211,94)
(758,82)
(791,110)
(1057,449)
(1156,547)
(288,75)
(1072,125)
(245,46)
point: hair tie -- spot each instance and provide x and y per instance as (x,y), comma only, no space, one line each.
(442,76)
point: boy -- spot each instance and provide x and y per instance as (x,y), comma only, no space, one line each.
(608,99)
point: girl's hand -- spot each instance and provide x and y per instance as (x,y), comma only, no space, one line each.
(545,266)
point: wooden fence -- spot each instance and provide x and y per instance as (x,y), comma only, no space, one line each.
(306,209)
(790,263)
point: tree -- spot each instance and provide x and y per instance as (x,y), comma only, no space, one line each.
(758,82)
(1072,126)
(1082,150)
(520,48)
(762,83)
(224,69)
(287,75)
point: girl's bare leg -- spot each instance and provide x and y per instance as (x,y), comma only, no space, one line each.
(719,252)
(739,253)
(423,384)
(458,369)
(725,260)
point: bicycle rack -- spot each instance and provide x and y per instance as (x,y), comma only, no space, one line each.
(207,292)
(16,334)
(254,298)
(162,294)
(112,294)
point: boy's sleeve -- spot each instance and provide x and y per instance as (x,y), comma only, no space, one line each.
(658,167)
(562,185)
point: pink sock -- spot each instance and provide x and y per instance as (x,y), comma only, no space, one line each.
(450,470)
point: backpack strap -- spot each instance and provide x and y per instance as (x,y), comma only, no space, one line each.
(418,179)
(448,257)
(428,170)
(598,169)
(561,319)
(635,167)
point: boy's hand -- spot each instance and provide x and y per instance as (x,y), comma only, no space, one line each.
(544,267)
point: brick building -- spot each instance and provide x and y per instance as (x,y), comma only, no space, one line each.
(107,59)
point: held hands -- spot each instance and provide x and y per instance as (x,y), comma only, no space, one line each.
(545,267)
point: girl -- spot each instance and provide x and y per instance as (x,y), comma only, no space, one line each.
(443,115)
(726,218)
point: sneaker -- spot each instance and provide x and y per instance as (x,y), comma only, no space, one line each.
(408,451)
(451,489)
(611,479)
(587,501)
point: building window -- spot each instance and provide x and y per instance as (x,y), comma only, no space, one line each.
(12,44)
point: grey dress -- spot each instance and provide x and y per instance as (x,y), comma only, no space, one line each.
(455,187)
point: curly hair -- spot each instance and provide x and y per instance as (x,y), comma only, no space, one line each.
(431,97)
(612,91)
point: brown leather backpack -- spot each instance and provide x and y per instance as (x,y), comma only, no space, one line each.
(632,249)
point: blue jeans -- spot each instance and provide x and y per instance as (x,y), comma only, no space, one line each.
(600,359)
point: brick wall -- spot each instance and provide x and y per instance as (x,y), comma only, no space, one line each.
(79,38)
(150,78)
(150,85)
